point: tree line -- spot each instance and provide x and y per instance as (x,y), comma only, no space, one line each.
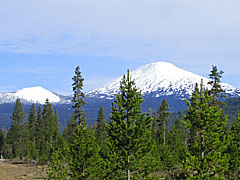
(134,144)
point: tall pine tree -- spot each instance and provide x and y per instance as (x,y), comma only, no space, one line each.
(163,114)
(209,159)
(100,128)
(234,149)
(84,149)
(71,127)
(2,142)
(32,128)
(78,96)
(216,89)
(129,135)
(15,134)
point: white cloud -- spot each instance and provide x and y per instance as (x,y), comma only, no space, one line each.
(189,33)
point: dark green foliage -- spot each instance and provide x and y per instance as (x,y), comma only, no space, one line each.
(129,135)
(40,128)
(100,128)
(195,122)
(32,130)
(216,89)
(50,123)
(58,163)
(234,149)
(162,117)
(48,131)
(78,96)
(71,127)
(209,159)
(16,131)
(84,148)
(155,134)
(232,108)
(57,170)
(32,120)
(2,142)
(177,139)
(84,155)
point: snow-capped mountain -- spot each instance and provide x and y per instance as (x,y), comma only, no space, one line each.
(160,79)
(30,95)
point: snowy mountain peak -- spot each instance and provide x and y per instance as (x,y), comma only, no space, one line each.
(158,79)
(31,94)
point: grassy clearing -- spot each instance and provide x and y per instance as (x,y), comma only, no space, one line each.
(10,170)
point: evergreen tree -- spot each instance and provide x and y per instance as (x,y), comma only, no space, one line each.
(100,128)
(84,155)
(2,142)
(57,170)
(195,122)
(57,167)
(209,160)
(234,149)
(177,140)
(40,129)
(71,127)
(129,135)
(32,120)
(84,148)
(155,127)
(216,88)
(51,125)
(78,96)
(15,133)
(163,114)
(32,130)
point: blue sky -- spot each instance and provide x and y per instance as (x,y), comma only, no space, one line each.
(41,42)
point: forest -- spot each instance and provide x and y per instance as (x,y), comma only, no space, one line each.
(133,144)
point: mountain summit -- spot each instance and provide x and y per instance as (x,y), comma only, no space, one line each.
(160,79)
(31,95)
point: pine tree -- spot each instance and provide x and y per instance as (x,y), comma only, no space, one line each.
(71,127)
(100,128)
(78,96)
(57,167)
(177,140)
(209,160)
(32,128)
(57,170)
(129,135)
(216,88)
(32,120)
(51,124)
(40,129)
(15,133)
(84,155)
(84,148)
(2,142)
(155,127)
(234,149)
(163,114)
(195,123)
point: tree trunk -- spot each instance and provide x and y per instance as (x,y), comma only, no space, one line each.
(128,171)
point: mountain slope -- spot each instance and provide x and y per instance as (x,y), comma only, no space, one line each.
(30,95)
(161,79)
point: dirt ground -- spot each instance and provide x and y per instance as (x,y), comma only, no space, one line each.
(15,171)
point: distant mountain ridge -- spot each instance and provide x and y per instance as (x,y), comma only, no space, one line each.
(32,95)
(161,79)
(156,81)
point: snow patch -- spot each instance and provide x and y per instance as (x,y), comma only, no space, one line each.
(161,78)
(31,95)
